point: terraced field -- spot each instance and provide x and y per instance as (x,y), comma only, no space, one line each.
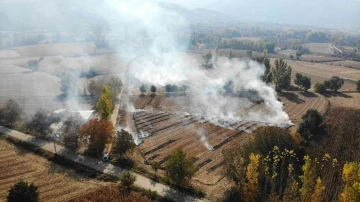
(54,183)
(203,140)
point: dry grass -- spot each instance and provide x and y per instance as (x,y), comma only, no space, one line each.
(345,100)
(54,182)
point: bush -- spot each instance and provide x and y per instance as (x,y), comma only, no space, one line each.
(23,192)
(358,85)
(127,179)
(320,88)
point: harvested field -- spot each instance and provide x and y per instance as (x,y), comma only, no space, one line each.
(320,48)
(201,139)
(346,63)
(50,49)
(320,72)
(296,104)
(54,182)
(319,58)
(345,100)
(164,130)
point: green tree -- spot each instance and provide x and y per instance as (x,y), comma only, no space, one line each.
(358,85)
(303,81)
(267,76)
(291,57)
(33,65)
(179,167)
(310,128)
(127,179)
(142,89)
(334,83)
(114,83)
(23,192)
(153,89)
(12,112)
(40,122)
(231,55)
(320,88)
(124,143)
(281,74)
(105,105)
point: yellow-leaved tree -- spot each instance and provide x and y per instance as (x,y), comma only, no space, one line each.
(351,176)
(105,105)
(250,189)
(307,179)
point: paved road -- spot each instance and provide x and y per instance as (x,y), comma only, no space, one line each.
(104,167)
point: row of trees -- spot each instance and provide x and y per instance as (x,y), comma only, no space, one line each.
(277,165)
(333,84)
(168,88)
(247,45)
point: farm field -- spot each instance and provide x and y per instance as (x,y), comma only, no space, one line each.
(54,182)
(320,72)
(319,58)
(320,48)
(346,63)
(164,128)
(42,89)
(345,100)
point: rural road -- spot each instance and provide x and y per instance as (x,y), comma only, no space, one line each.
(101,166)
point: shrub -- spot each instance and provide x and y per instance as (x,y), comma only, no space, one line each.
(320,88)
(127,179)
(358,85)
(23,192)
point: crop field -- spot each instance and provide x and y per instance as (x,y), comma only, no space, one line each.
(54,182)
(345,100)
(41,89)
(346,63)
(164,128)
(319,58)
(320,72)
(320,48)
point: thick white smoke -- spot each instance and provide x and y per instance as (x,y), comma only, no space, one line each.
(152,38)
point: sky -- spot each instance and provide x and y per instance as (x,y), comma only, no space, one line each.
(333,13)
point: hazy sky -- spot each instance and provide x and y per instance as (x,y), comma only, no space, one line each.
(307,12)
